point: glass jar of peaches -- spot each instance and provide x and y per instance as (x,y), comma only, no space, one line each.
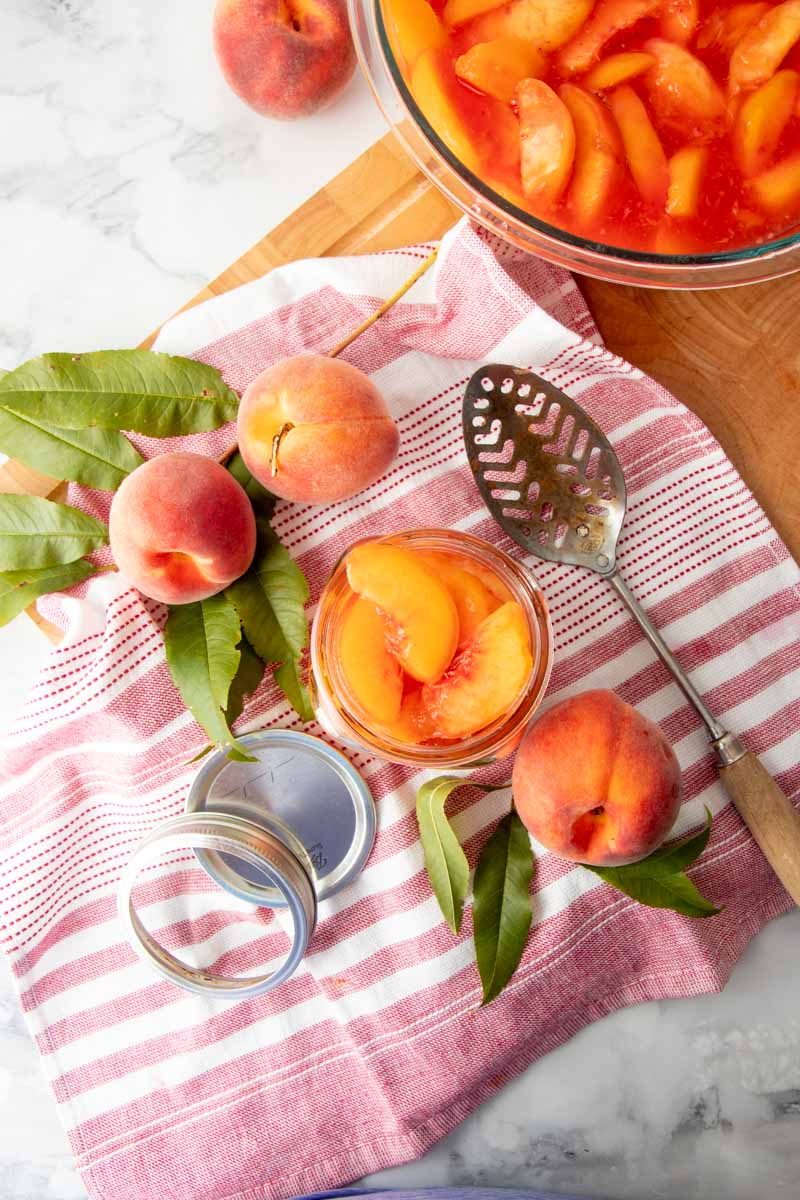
(430,647)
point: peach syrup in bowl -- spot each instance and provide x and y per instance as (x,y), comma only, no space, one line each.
(648,142)
(430,647)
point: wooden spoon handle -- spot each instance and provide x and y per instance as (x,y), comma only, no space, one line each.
(769,815)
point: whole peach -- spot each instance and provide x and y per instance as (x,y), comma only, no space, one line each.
(335,433)
(181,528)
(285,58)
(597,782)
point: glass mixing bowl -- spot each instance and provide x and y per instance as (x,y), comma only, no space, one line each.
(500,216)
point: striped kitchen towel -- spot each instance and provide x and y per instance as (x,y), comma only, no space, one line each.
(377,1046)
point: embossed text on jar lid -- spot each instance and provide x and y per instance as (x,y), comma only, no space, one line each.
(302,791)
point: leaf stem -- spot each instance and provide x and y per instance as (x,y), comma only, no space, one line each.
(387,304)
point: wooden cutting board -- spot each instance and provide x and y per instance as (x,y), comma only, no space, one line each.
(732,356)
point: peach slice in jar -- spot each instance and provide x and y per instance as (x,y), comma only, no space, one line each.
(546,24)
(432,83)
(686,170)
(472,598)
(486,678)
(777,191)
(679,20)
(763,47)
(646,158)
(761,120)
(493,583)
(546,141)
(616,69)
(683,93)
(413,28)
(414,723)
(372,673)
(598,155)
(609,18)
(496,67)
(420,612)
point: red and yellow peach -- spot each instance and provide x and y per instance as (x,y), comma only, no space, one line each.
(285,58)
(181,528)
(596,782)
(334,433)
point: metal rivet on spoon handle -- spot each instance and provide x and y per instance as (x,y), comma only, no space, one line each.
(552,481)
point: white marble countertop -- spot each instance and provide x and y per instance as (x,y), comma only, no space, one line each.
(129,175)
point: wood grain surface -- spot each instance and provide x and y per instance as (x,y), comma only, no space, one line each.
(732,356)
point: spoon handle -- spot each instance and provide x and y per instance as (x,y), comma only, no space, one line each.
(715,730)
(769,815)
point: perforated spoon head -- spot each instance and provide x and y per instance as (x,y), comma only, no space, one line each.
(547,474)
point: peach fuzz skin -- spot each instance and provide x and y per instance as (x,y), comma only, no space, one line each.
(285,58)
(596,782)
(341,438)
(181,528)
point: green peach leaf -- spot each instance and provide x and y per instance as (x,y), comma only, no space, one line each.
(201,641)
(98,458)
(40,533)
(248,676)
(658,880)
(18,589)
(270,599)
(157,394)
(673,857)
(263,502)
(200,754)
(501,904)
(289,678)
(445,861)
(674,892)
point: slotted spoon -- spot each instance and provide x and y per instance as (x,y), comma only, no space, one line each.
(552,481)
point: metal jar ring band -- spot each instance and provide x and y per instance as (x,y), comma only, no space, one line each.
(241,838)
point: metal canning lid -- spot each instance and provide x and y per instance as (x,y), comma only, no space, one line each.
(301,791)
(256,849)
